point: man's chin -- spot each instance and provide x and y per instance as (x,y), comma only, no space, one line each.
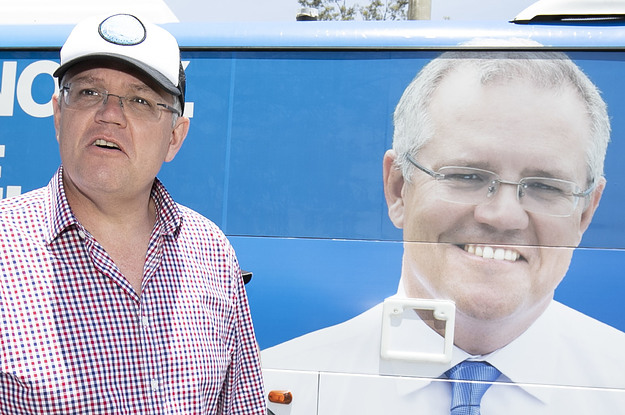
(489,307)
(502,312)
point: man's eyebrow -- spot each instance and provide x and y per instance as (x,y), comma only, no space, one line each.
(551,174)
(547,172)
(140,86)
(84,78)
(132,86)
(465,162)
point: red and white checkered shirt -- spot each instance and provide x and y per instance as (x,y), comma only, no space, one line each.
(75,338)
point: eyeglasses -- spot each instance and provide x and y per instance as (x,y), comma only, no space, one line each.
(82,96)
(543,195)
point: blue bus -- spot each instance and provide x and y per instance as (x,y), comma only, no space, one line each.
(289,126)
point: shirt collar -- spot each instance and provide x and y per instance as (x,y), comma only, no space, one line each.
(60,214)
(168,216)
(61,217)
(530,359)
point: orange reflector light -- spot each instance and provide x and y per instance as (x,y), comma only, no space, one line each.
(283,397)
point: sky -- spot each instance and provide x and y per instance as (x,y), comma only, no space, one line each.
(164,11)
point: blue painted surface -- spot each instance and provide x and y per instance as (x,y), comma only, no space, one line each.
(290,123)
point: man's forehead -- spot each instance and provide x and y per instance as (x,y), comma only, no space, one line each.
(465,84)
(90,71)
(481,125)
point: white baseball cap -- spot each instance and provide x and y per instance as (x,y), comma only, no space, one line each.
(123,37)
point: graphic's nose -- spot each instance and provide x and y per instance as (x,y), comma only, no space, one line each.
(503,208)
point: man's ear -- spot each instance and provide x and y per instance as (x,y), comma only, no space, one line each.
(393,185)
(593,204)
(178,134)
(56,112)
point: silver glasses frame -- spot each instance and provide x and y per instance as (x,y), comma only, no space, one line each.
(493,189)
(105,96)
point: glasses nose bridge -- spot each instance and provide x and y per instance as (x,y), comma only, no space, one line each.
(494,185)
(106,95)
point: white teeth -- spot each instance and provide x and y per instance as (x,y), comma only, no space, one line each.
(510,255)
(103,143)
(488,252)
(500,253)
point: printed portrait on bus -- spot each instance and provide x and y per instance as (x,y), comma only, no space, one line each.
(495,173)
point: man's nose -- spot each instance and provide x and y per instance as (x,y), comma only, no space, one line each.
(503,209)
(112,110)
(116,99)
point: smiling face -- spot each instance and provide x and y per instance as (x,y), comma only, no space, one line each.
(102,150)
(495,260)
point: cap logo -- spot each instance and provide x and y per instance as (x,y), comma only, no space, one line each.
(122,29)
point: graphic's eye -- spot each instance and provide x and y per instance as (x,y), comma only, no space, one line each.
(547,186)
(465,177)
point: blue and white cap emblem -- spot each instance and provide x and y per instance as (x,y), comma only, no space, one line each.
(122,29)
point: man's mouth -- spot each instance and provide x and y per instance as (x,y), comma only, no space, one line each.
(105,144)
(492,252)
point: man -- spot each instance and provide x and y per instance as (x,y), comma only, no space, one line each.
(113,298)
(495,173)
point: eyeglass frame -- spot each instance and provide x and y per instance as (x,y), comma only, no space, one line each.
(440,176)
(107,94)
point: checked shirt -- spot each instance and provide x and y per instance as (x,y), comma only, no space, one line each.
(75,338)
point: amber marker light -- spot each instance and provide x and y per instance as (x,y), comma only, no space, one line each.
(283,397)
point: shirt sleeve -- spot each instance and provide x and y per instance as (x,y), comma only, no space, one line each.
(243,390)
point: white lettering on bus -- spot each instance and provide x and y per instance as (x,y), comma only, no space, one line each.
(11,190)
(7,88)
(24,88)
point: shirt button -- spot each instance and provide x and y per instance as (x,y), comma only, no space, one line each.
(145,321)
(81,234)
(154,385)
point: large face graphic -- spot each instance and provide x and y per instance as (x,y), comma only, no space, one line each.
(496,260)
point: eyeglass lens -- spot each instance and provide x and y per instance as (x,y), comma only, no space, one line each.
(475,186)
(141,107)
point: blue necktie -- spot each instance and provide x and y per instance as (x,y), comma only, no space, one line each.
(466,396)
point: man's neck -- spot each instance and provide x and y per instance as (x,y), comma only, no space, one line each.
(479,336)
(121,225)
(98,210)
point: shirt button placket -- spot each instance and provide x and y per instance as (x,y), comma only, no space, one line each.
(144,322)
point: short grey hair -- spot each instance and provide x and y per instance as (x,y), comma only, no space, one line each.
(176,104)
(546,69)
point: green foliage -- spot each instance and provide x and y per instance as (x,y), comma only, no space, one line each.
(376,10)
(385,10)
(330,9)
